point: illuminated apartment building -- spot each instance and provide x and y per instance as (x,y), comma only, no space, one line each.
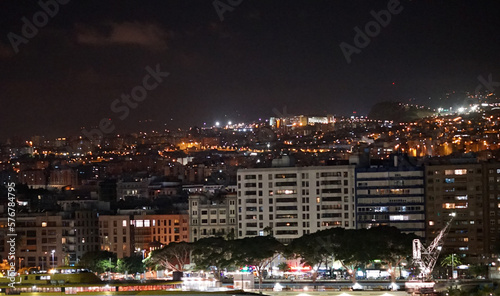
(459,189)
(213,215)
(48,240)
(292,201)
(391,196)
(128,234)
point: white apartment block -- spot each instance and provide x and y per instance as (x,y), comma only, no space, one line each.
(293,201)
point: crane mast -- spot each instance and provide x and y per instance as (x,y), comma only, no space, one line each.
(426,258)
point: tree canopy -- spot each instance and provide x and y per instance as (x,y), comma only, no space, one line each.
(172,257)
(213,252)
(133,264)
(98,261)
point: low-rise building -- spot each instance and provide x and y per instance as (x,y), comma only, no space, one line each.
(128,234)
(212,215)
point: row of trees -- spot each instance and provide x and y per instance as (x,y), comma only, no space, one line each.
(352,248)
(104,261)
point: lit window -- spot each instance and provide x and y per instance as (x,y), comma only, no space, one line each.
(146,223)
(431,223)
(456,172)
(398,218)
(124,223)
(139,223)
(448,205)
(44,224)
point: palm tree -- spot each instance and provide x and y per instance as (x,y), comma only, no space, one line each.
(451,260)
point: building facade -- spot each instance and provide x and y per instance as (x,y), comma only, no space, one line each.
(47,241)
(491,172)
(289,202)
(129,234)
(458,189)
(212,216)
(392,196)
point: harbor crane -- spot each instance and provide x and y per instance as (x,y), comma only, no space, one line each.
(426,258)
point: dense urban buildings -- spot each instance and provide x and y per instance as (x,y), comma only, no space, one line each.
(284,177)
(47,241)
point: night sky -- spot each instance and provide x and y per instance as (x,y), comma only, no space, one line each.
(263,55)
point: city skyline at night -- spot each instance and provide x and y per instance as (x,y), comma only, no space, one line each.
(239,63)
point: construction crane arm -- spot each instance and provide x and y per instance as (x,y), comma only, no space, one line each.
(426,258)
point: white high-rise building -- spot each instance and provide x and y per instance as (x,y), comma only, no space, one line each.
(293,201)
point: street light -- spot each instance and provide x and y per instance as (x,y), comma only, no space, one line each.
(53,251)
(144,270)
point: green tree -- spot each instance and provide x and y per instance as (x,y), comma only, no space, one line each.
(355,249)
(451,260)
(479,270)
(268,230)
(98,261)
(213,252)
(173,257)
(393,246)
(283,266)
(258,251)
(314,249)
(132,265)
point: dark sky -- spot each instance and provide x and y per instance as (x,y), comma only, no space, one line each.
(263,55)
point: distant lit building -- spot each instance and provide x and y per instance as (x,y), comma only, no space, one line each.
(300,120)
(132,188)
